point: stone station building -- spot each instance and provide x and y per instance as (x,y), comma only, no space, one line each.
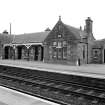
(63,44)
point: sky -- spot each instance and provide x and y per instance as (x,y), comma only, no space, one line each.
(28,16)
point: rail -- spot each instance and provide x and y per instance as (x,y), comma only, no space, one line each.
(53,89)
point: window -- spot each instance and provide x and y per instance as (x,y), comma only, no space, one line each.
(50,50)
(59,50)
(59,44)
(54,43)
(59,36)
(54,52)
(59,53)
(64,43)
(65,53)
(96,52)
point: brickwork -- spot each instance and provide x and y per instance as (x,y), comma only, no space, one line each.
(73,46)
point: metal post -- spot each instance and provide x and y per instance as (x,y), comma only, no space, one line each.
(86,42)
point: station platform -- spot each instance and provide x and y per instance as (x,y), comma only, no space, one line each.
(13,97)
(93,70)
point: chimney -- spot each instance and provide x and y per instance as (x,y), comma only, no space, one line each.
(59,18)
(5,32)
(89,23)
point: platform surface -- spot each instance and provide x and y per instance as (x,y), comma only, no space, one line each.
(12,97)
(95,70)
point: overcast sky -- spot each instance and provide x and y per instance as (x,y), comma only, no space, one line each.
(29,16)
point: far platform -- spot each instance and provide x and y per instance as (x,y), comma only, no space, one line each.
(93,70)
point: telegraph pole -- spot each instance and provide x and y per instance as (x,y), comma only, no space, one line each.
(10,28)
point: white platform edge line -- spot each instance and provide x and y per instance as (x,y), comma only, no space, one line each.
(40,99)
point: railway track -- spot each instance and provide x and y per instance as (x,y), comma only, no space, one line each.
(65,93)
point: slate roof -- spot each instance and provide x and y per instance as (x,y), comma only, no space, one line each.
(30,37)
(99,42)
(77,32)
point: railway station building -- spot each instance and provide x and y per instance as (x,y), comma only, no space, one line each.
(63,44)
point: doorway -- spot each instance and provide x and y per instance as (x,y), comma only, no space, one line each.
(36,53)
(6,52)
(19,52)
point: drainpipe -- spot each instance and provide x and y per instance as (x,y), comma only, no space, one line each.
(87,48)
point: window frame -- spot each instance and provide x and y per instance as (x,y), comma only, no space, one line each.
(64,53)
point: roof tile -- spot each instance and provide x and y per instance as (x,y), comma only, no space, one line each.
(77,32)
(30,37)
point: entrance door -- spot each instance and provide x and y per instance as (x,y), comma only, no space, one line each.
(59,53)
(36,53)
(6,52)
(19,52)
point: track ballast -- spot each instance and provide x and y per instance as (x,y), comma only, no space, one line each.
(59,88)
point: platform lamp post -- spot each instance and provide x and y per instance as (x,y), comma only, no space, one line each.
(87,51)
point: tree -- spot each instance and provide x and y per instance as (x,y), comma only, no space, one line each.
(5,32)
